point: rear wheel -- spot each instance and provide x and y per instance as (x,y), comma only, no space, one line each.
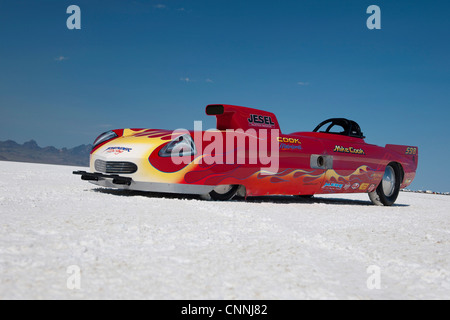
(389,187)
(224,192)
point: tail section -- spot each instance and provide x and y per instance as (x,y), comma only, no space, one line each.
(408,157)
(410,152)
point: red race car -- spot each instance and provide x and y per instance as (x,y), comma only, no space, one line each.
(247,155)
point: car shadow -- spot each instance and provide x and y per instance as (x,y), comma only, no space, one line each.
(261,199)
(313,200)
(147,194)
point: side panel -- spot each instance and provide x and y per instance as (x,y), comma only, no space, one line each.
(358,167)
(353,167)
(242,162)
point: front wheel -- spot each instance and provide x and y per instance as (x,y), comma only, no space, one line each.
(224,192)
(389,187)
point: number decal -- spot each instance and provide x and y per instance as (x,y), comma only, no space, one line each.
(411,150)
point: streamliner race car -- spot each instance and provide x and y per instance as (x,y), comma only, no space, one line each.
(247,155)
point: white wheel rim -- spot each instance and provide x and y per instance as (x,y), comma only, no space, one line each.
(389,181)
(223,189)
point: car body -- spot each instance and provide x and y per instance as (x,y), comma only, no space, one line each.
(333,158)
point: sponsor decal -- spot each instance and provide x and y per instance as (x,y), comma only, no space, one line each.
(288,140)
(364,186)
(289,143)
(347,186)
(351,150)
(371,188)
(260,121)
(377,176)
(284,146)
(355,186)
(333,185)
(117,150)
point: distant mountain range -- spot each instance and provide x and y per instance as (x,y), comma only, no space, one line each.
(31,152)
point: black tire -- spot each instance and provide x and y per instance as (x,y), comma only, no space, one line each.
(225,196)
(388,189)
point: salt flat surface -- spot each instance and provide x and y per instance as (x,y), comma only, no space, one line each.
(132,245)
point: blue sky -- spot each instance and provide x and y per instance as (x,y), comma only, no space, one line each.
(157,64)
